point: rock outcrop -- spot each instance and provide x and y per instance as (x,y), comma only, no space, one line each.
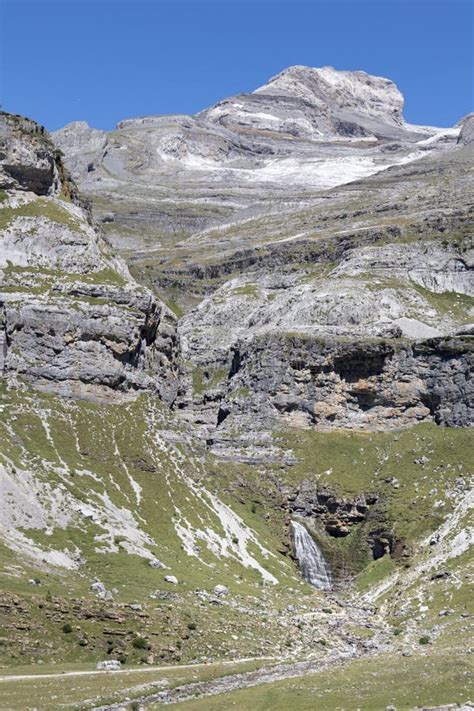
(289,380)
(466,135)
(316,103)
(73,319)
(336,515)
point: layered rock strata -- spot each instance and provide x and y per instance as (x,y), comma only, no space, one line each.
(73,319)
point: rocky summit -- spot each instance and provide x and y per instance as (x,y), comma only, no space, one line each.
(237,398)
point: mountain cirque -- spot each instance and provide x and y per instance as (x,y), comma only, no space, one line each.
(308,207)
(214,323)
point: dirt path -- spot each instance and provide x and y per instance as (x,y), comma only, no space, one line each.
(57,675)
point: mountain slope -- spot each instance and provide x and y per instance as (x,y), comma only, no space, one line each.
(264,315)
(157,179)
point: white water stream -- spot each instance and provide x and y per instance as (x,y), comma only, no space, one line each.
(311,561)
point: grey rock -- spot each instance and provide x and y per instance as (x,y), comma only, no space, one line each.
(155,563)
(221,590)
(109,665)
(171,579)
(422,460)
(73,320)
(465,330)
(309,381)
(27,156)
(466,136)
(98,587)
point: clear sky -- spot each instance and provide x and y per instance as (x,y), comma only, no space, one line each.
(104,60)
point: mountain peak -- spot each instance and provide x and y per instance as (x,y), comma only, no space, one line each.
(338,89)
(317,102)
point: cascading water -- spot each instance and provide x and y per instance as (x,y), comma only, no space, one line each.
(311,561)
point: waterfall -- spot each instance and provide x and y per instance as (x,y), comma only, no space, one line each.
(311,561)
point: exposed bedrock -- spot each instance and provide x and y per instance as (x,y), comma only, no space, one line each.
(337,515)
(466,136)
(71,317)
(291,380)
(79,348)
(331,517)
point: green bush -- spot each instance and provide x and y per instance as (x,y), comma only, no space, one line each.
(67,628)
(424,639)
(140,643)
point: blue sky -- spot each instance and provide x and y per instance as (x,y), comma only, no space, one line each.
(104,60)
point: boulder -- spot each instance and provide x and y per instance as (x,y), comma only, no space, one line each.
(155,563)
(171,579)
(221,590)
(109,665)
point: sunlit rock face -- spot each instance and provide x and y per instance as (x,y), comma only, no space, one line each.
(163,178)
(73,320)
(297,219)
(312,103)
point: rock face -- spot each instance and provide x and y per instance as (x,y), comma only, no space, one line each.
(157,181)
(290,380)
(312,298)
(28,160)
(73,320)
(466,136)
(337,515)
(312,103)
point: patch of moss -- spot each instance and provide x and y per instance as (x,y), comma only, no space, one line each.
(247,290)
(41,207)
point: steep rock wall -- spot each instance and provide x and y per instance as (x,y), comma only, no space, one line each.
(72,318)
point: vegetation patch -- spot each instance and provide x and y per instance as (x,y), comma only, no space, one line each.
(41,207)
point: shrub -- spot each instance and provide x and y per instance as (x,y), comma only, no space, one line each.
(192,626)
(140,643)
(424,639)
(67,628)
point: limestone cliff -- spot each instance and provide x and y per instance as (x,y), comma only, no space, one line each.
(73,320)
